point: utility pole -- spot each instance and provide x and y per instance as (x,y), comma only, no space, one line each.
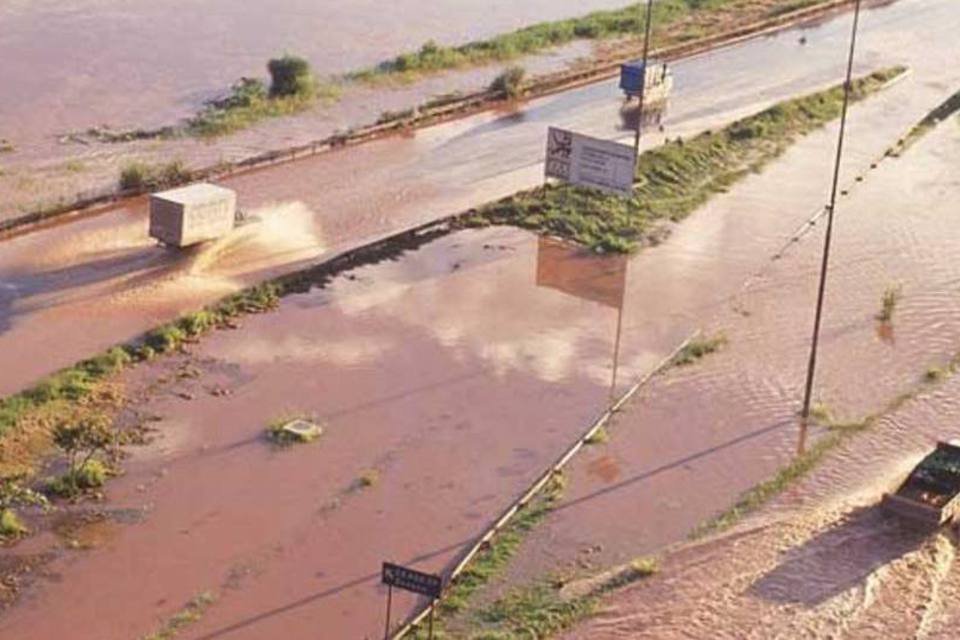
(831,211)
(643,82)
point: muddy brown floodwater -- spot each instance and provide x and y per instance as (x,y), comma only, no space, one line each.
(822,560)
(449,377)
(100,280)
(89,62)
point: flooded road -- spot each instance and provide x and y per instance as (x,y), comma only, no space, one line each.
(100,281)
(822,560)
(449,377)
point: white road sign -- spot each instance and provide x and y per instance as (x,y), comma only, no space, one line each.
(589,162)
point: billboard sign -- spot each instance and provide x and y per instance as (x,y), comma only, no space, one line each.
(590,162)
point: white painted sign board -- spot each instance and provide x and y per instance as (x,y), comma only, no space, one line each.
(590,162)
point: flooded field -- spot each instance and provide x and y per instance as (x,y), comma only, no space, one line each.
(90,62)
(100,280)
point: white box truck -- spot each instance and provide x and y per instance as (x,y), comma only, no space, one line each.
(188,215)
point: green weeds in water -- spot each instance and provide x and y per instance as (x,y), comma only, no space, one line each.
(672,180)
(190,614)
(11,526)
(82,379)
(697,349)
(600,436)
(888,303)
(836,434)
(668,20)
(942,112)
(541,610)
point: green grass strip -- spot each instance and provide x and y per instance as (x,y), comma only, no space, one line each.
(80,380)
(942,112)
(675,179)
(668,20)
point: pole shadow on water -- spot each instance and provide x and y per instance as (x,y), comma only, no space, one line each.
(839,558)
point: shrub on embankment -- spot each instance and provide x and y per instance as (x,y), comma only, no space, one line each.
(293,88)
(675,179)
(141,176)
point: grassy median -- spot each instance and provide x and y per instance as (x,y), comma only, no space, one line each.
(675,179)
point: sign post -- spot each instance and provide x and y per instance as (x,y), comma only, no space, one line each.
(425,584)
(590,162)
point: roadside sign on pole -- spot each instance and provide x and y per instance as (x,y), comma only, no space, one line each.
(426,584)
(590,162)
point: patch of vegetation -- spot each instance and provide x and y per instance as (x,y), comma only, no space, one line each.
(14,494)
(290,76)
(541,610)
(935,374)
(11,526)
(393,116)
(190,614)
(888,303)
(837,433)
(91,475)
(820,412)
(80,439)
(141,176)
(942,112)
(280,435)
(510,83)
(293,88)
(670,26)
(75,166)
(58,395)
(600,436)
(672,180)
(697,349)
(763,492)
(6,146)
(495,557)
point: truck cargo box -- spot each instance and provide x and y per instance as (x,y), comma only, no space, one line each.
(929,495)
(659,81)
(188,215)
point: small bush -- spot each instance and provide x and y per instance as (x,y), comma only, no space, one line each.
(509,84)
(10,525)
(697,349)
(291,76)
(140,176)
(92,474)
